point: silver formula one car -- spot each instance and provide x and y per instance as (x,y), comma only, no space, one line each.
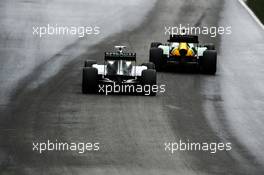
(184,50)
(119,68)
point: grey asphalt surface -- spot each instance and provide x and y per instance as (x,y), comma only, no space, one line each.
(132,130)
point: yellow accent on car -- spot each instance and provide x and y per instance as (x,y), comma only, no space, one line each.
(182,50)
(175,52)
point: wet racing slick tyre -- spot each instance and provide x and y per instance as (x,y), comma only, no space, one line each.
(149,78)
(89,80)
(149,65)
(209,62)
(156,57)
(89,63)
(155,44)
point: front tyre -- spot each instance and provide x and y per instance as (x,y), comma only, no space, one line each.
(209,62)
(89,80)
(149,78)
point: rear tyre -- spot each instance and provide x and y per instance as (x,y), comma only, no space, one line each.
(155,44)
(89,63)
(89,80)
(156,57)
(149,77)
(209,62)
(149,65)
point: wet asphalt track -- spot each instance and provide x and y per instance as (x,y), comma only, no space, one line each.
(132,130)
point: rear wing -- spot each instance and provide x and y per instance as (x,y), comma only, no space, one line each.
(120,56)
(184,38)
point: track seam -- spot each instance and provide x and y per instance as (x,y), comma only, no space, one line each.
(251,13)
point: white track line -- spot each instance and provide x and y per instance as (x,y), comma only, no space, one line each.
(242,2)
